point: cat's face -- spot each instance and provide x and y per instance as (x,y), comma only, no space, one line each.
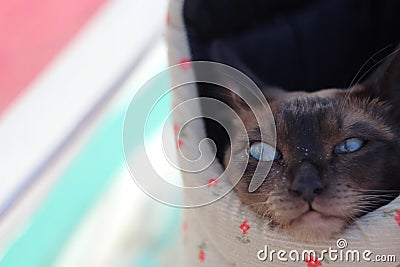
(337,158)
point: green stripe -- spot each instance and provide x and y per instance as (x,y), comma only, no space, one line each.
(88,176)
(163,242)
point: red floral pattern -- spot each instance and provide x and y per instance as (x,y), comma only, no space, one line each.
(184,227)
(312,262)
(179,141)
(245,227)
(185,64)
(202,255)
(397,217)
(212,182)
(176,128)
(167,19)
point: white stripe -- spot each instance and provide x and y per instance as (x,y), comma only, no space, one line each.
(16,221)
(70,87)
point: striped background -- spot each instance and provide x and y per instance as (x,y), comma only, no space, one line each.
(68,70)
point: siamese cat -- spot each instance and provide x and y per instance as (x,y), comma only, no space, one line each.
(337,154)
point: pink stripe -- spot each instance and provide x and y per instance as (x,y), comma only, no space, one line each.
(31,35)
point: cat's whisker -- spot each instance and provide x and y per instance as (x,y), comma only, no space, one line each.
(376,200)
(378,195)
(378,62)
(366,208)
(259,194)
(360,208)
(257,203)
(368,202)
(262,207)
(365,63)
(264,212)
(366,205)
(352,83)
(265,194)
(377,190)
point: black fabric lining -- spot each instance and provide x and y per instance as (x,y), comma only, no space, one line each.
(297,45)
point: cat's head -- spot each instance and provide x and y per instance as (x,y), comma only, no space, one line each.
(337,155)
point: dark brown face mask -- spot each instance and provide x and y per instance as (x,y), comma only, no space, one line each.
(337,155)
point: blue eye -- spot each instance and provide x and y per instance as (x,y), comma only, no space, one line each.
(263,152)
(349,146)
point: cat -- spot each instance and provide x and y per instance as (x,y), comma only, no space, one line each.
(337,154)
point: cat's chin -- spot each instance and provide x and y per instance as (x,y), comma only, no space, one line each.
(314,226)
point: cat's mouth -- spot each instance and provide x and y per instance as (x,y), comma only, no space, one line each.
(315,225)
(313,218)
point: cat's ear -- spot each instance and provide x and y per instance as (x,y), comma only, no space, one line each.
(384,84)
(233,98)
(269,94)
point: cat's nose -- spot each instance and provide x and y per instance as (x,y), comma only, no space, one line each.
(307,182)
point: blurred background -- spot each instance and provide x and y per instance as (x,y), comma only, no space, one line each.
(68,70)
